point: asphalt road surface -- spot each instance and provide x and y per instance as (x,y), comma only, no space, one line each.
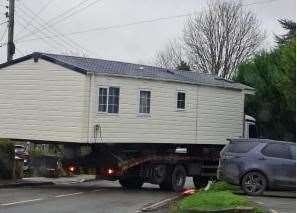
(276,204)
(88,197)
(104,197)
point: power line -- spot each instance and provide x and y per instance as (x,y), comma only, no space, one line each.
(2,37)
(134,23)
(72,44)
(20,51)
(61,15)
(74,12)
(37,15)
(54,45)
(116,26)
(3,22)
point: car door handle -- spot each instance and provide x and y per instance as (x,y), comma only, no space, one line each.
(262,158)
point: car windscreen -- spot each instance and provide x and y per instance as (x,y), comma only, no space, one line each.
(240,147)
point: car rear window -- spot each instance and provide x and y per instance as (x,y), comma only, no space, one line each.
(241,147)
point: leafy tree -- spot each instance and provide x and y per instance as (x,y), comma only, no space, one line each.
(183,66)
(273,75)
(290,26)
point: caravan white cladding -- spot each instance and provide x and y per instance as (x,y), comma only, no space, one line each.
(45,101)
(210,115)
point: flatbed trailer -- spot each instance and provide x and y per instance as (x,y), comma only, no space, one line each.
(166,165)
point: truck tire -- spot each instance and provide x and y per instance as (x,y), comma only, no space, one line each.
(200,182)
(175,180)
(131,183)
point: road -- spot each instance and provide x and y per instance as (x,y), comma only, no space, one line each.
(103,197)
(88,197)
(276,204)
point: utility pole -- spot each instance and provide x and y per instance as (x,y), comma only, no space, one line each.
(10,44)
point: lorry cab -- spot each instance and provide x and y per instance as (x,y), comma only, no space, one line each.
(250,128)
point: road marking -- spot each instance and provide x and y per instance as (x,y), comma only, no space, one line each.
(98,190)
(258,202)
(158,204)
(19,202)
(273,211)
(66,195)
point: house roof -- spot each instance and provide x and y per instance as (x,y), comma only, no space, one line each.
(107,67)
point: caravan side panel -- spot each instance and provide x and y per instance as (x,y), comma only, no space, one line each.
(43,101)
(220,115)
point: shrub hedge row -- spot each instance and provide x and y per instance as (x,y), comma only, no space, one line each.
(6,159)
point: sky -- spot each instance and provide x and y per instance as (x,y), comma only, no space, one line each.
(110,29)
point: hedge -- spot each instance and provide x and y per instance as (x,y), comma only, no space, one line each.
(6,159)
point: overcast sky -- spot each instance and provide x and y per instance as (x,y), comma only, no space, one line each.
(134,43)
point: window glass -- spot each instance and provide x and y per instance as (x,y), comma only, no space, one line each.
(113,100)
(241,147)
(144,102)
(102,100)
(109,100)
(277,150)
(181,100)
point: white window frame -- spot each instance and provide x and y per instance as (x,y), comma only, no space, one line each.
(107,101)
(141,114)
(176,99)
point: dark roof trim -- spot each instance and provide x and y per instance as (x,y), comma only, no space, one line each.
(36,56)
(15,61)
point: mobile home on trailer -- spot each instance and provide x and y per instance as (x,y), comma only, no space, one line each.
(121,108)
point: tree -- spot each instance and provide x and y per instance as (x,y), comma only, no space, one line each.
(290,26)
(171,56)
(219,38)
(273,75)
(183,66)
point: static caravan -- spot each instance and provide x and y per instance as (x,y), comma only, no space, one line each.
(118,107)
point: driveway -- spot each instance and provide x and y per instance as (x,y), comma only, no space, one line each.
(276,204)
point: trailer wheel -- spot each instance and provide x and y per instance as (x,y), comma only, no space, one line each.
(200,182)
(178,178)
(175,180)
(131,183)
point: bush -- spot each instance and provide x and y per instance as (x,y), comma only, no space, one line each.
(6,159)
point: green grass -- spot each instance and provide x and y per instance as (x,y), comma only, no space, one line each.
(219,196)
(213,200)
(222,186)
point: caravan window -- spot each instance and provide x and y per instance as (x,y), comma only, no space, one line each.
(181,100)
(109,99)
(144,101)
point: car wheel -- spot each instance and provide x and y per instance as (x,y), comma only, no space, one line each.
(254,183)
(200,182)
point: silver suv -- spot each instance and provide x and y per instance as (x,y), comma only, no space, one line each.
(258,164)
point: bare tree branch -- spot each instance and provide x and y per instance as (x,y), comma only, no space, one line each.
(171,56)
(216,40)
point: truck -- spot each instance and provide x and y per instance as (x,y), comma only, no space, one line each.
(133,123)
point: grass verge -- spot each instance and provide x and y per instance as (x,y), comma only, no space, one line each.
(219,196)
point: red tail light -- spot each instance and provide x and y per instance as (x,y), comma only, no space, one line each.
(71,168)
